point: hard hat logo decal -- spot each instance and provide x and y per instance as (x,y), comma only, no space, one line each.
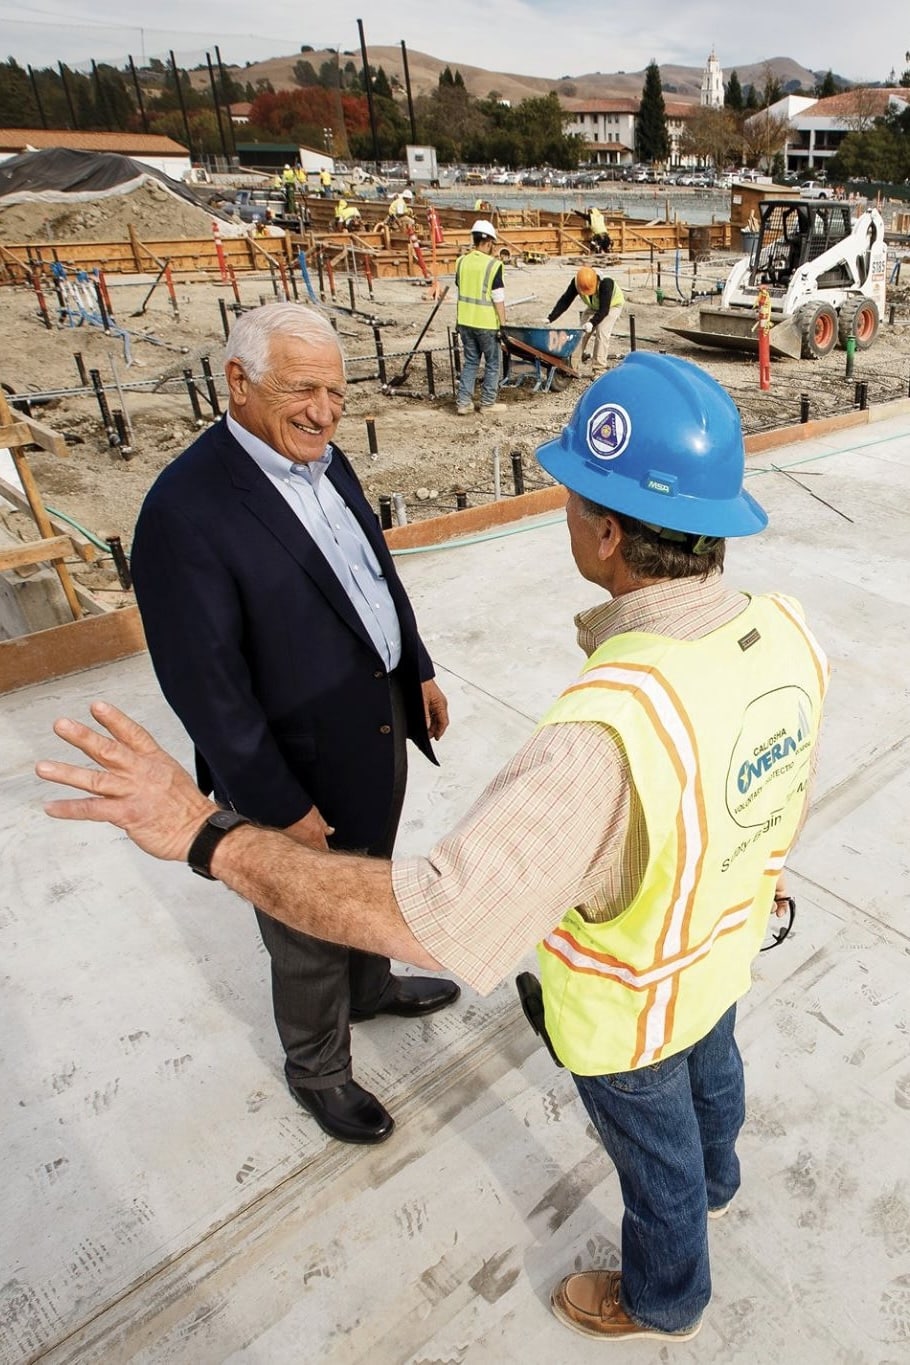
(609,430)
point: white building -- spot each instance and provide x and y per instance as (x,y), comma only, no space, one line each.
(712,84)
(608,128)
(818,127)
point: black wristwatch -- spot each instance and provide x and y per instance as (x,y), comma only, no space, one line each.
(202,849)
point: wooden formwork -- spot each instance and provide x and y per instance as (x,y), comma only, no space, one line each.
(390,252)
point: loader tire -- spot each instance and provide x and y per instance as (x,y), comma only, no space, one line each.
(818,328)
(859,319)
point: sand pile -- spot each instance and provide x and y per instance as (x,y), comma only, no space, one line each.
(154,212)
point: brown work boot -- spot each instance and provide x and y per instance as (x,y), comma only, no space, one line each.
(588,1302)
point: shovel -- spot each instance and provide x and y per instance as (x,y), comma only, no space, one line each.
(398,379)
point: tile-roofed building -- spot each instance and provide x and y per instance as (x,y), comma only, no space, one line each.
(608,127)
(819,127)
(151,149)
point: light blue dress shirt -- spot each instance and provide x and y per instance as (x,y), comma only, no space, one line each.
(322,511)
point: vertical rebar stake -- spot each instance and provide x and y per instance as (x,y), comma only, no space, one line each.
(631,331)
(518,474)
(106,419)
(385,512)
(380,355)
(804,407)
(210,386)
(194,398)
(371,435)
(225,323)
(121,564)
(431,376)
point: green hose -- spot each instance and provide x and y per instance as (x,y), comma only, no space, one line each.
(89,535)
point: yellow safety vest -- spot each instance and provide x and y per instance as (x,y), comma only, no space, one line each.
(474,276)
(592,301)
(598,223)
(325,177)
(718,734)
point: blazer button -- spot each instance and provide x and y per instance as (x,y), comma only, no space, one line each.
(379,673)
(385,729)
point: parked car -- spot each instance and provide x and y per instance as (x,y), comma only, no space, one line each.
(814,189)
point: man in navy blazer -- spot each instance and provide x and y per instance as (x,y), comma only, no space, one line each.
(284,640)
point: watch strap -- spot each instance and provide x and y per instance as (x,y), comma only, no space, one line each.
(202,849)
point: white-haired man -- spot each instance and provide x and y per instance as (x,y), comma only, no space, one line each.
(283,639)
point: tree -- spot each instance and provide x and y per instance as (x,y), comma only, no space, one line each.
(752,101)
(827,87)
(712,135)
(773,90)
(733,94)
(305,73)
(652,138)
(764,136)
(863,112)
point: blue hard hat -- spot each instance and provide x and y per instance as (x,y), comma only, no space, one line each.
(659,440)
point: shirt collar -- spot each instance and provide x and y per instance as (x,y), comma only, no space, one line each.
(645,609)
(269,460)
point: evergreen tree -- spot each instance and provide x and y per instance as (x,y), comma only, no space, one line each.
(827,87)
(751,103)
(651,134)
(733,94)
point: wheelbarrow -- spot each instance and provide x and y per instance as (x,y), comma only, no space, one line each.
(541,354)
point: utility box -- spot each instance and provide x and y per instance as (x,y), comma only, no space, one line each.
(422,168)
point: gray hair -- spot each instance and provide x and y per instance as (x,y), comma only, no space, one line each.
(251,335)
(654,552)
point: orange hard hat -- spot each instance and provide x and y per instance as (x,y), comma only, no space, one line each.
(586,280)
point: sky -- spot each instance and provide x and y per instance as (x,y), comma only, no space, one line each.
(528,37)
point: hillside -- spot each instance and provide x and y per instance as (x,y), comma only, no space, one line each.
(684,82)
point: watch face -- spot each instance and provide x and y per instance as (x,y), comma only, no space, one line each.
(224,819)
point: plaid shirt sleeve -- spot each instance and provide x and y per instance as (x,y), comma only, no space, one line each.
(542,837)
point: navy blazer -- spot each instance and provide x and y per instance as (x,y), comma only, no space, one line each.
(259,650)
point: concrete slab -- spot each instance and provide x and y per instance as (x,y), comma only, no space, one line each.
(164,1200)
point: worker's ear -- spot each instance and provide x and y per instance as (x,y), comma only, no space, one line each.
(610,539)
(237,382)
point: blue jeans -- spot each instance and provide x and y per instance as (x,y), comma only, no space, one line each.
(670,1130)
(477,342)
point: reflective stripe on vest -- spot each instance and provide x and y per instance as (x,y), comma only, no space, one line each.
(474,276)
(721,773)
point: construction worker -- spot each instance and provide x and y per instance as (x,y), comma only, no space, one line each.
(660,808)
(289,187)
(601,241)
(347,217)
(480,313)
(603,300)
(398,208)
(325,182)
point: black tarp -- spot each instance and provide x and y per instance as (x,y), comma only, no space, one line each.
(58,174)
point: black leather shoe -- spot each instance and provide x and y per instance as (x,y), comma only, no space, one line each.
(413,995)
(346,1112)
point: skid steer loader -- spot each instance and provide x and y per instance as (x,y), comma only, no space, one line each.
(824,268)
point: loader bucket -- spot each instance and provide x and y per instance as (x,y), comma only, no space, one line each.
(734,329)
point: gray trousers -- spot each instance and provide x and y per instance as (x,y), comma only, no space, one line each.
(315,984)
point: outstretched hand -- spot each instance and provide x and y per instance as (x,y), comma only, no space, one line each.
(136,786)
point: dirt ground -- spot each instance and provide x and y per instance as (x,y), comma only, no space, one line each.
(425,451)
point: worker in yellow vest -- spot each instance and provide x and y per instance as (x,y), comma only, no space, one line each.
(603,300)
(481,311)
(325,182)
(648,818)
(601,241)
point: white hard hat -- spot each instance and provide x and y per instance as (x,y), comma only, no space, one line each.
(407,194)
(484,228)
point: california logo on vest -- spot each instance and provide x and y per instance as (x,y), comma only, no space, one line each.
(609,430)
